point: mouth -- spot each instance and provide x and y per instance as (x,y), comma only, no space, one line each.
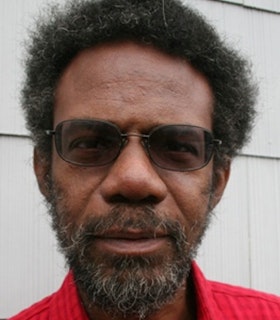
(131,243)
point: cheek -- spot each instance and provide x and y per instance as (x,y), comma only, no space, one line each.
(191,194)
(78,189)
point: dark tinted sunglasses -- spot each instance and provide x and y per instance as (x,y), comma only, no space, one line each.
(97,143)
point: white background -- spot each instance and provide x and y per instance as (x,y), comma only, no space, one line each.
(243,245)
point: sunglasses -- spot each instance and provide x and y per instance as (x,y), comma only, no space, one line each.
(95,143)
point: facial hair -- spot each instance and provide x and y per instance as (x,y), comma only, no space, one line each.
(118,284)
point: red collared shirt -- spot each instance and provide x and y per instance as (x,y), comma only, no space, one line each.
(215,301)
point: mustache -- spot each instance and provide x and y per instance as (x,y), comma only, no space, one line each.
(125,219)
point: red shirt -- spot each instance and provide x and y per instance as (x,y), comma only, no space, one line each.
(215,301)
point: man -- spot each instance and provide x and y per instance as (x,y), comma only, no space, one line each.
(136,109)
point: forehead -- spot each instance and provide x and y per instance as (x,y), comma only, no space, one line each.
(133,85)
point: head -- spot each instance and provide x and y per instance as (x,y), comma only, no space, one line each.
(138,65)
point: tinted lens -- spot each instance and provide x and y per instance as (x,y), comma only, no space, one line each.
(87,143)
(180,147)
(97,143)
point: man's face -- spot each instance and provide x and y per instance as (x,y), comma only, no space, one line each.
(131,221)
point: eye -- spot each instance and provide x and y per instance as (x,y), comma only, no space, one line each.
(90,143)
(90,149)
(182,147)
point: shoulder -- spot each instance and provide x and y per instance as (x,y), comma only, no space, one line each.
(38,310)
(219,301)
(63,304)
(246,301)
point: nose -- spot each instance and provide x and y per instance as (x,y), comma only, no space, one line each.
(133,178)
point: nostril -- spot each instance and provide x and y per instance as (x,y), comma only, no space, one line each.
(121,199)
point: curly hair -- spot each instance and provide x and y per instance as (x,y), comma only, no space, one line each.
(169,26)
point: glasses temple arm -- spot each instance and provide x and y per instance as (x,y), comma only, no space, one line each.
(50,132)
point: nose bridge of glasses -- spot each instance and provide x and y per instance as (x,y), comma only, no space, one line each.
(143,137)
(144,140)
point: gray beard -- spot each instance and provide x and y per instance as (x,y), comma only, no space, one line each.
(124,285)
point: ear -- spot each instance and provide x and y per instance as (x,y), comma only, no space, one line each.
(220,180)
(41,168)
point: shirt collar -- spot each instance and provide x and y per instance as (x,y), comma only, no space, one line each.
(205,303)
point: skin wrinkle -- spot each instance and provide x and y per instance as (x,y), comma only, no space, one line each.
(166,88)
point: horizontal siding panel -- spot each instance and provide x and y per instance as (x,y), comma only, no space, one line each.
(15,18)
(30,266)
(264,211)
(232,1)
(225,252)
(243,243)
(10,118)
(269,5)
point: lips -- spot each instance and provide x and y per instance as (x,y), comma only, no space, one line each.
(131,233)
(131,242)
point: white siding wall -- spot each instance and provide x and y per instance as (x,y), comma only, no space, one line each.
(243,245)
